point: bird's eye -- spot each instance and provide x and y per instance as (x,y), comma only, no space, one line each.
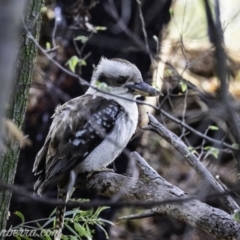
(121,79)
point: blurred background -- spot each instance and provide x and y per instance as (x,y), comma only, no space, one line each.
(179,60)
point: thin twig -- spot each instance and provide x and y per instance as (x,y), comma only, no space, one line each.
(144,29)
(112,11)
(218,143)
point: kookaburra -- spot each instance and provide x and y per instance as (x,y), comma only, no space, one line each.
(89,132)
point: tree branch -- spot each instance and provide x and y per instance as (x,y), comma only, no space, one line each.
(150,187)
(192,160)
(17,61)
(149,190)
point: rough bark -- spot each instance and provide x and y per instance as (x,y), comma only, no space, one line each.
(150,188)
(21,64)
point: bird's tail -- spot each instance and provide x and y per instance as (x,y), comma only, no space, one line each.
(64,193)
(62,196)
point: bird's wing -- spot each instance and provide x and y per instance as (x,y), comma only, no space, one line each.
(77,128)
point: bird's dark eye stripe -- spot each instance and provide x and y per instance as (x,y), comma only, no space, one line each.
(102,78)
(122,79)
(119,81)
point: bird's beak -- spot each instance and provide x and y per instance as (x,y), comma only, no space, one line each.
(143,89)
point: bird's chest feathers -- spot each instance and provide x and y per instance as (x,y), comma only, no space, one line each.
(114,143)
(129,106)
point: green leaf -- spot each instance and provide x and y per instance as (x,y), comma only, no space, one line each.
(235,145)
(191,150)
(100,28)
(43,9)
(99,210)
(167,73)
(214,128)
(211,151)
(48,45)
(184,86)
(102,86)
(87,228)
(236,215)
(215,152)
(19,214)
(82,231)
(72,63)
(81,38)
(207,147)
(63,237)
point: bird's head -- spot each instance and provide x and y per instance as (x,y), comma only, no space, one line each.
(119,76)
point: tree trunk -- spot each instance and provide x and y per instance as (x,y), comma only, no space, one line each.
(19,59)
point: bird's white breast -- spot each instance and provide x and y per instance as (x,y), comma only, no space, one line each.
(114,143)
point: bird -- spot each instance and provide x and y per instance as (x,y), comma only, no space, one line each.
(88,132)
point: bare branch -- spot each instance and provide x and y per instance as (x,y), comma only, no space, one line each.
(179,145)
(152,187)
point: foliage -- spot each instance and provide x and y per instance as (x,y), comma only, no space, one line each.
(74,61)
(79,222)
